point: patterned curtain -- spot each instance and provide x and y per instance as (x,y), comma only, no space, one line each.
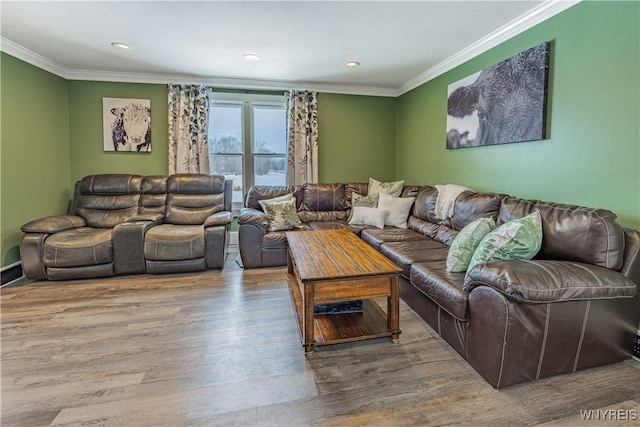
(188,113)
(302,150)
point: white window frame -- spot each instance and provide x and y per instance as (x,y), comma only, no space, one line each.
(247,102)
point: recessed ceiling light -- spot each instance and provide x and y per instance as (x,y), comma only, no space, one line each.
(352,64)
(121,46)
(251,57)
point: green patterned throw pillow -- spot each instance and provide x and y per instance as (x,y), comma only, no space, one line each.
(393,188)
(282,214)
(516,239)
(466,242)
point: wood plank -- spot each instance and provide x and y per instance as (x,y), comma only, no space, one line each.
(330,254)
(310,257)
(350,289)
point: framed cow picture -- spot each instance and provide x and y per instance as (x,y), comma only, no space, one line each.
(506,102)
(126,124)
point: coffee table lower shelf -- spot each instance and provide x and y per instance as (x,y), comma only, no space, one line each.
(341,328)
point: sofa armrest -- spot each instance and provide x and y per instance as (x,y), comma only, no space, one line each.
(254,217)
(128,244)
(540,281)
(219,218)
(53,224)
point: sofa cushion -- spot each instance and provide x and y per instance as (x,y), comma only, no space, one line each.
(375,237)
(424,207)
(445,234)
(154,193)
(79,247)
(566,228)
(282,214)
(397,209)
(427,228)
(404,254)
(191,198)
(444,288)
(516,239)
(264,192)
(108,199)
(367,216)
(392,188)
(324,197)
(471,206)
(466,242)
(170,242)
(354,187)
(323,202)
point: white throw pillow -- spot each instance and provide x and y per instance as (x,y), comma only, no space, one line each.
(397,209)
(367,216)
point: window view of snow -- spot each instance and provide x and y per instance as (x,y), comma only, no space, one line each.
(266,146)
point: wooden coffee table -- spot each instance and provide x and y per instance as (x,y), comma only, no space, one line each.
(332,266)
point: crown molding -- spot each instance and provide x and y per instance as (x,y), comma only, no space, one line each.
(227,83)
(537,15)
(32,58)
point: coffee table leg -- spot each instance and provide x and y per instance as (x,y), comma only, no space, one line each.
(393,310)
(309,320)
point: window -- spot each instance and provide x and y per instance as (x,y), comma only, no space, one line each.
(247,141)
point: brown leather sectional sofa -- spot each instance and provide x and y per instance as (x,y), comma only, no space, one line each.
(574,306)
(132,224)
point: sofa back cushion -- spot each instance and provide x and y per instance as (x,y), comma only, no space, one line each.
(572,233)
(354,187)
(265,192)
(108,199)
(468,207)
(471,206)
(424,207)
(191,198)
(324,202)
(154,194)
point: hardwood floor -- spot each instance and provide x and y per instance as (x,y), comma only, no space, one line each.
(223,348)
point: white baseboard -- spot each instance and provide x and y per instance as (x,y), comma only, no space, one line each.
(233,238)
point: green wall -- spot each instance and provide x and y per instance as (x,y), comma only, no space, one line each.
(356,133)
(85,130)
(356,137)
(592,155)
(35,165)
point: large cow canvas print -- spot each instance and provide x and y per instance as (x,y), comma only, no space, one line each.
(126,124)
(504,103)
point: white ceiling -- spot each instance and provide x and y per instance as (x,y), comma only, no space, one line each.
(400,44)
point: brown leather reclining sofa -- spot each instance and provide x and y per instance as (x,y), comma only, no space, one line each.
(574,306)
(132,224)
